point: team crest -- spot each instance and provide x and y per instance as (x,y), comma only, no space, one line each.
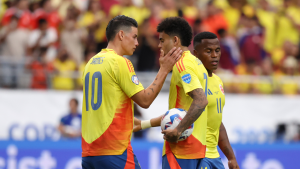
(135,79)
(187,78)
(221,88)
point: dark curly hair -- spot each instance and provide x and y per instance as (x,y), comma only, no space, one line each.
(176,26)
(203,35)
(117,23)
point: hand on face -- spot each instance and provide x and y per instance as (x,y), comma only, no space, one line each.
(168,61)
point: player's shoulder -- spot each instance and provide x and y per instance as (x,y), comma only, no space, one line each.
(186,60)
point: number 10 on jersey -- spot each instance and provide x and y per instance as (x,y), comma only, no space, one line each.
(96,75)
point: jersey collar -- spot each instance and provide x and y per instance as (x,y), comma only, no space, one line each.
(108,50)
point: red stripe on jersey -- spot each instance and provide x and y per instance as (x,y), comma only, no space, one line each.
(127,64)
(130,158)
(171,159)
(178,68)
(182,62)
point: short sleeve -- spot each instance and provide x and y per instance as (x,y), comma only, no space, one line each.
(186,74)
(127,78)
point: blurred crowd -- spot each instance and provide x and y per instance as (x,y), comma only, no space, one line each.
(46,43)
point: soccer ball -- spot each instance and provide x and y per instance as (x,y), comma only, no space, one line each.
(172,118)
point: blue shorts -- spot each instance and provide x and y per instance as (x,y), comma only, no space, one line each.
(125,161)
(169,161)
(211,163)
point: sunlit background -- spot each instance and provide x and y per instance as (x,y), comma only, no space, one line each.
(45,44)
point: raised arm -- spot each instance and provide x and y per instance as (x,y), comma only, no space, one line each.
(198,105)
(145,97)
(226,148)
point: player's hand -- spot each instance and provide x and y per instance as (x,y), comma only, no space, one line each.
(171,135)
(232,164)
(137,125)
(168,61)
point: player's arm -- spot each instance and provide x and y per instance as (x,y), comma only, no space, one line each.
(226,148)
(145,97)
(197,107)
(141,125)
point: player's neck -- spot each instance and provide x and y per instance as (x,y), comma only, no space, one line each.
(116,48)
(210,73)
(184,48)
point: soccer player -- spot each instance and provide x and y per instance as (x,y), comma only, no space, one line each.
(187,91)
(207,49)
(110,86)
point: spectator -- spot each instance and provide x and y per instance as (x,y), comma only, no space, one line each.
(250,40)
(230,56)
(94,20)
(13,41)
(41,37)
(21,10)
(267,18)
(40,70)
(287,84)
(147,50)
(263,83)
(190,11)
(70,125)
(64,67)
(73,39)
(209,22)
(126,7)
(169,9)
(48,12)
(288,24)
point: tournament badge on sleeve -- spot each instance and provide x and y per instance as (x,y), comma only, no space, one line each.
(135,79)
(221,88)
(187,78)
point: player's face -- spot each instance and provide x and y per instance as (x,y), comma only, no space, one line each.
(209,52)
(130,42)
(166,42)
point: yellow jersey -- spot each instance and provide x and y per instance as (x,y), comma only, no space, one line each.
(188,75)
(109,82)
(64,80)
(216,102)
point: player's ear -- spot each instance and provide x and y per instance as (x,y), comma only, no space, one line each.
(195,53)
(176,41)
(121,35)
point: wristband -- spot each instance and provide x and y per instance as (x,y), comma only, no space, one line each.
(145,124)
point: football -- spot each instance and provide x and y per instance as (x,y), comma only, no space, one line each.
(172,118)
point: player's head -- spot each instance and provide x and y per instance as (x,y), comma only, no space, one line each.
(174,32)
(207,49)
(73,105)
(123,30)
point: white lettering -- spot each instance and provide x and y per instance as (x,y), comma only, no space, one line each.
(74,163)
(251,162)
(12,152)
(46,161)
(27,163)
(154,158)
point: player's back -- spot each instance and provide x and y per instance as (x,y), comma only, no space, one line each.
(188,75)
(216,102)
(107,110)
